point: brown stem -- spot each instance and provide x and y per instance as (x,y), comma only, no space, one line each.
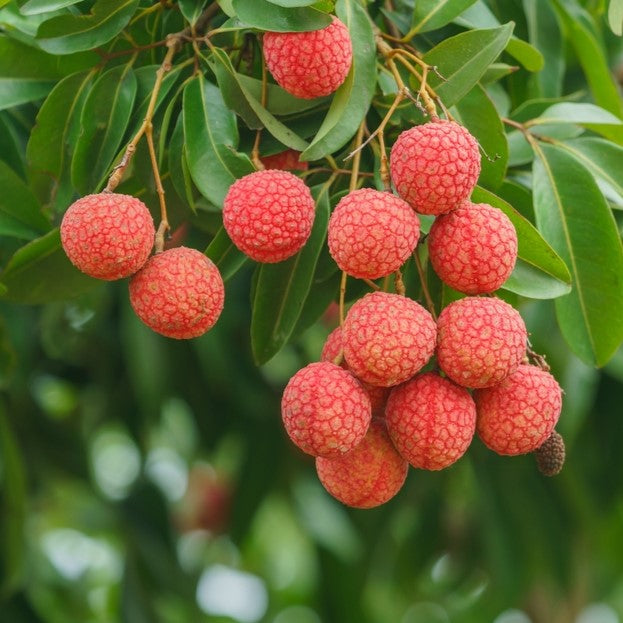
(342,295)
(354,176)
(164,226)
(424,282)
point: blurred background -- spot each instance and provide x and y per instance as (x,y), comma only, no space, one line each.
(149,480)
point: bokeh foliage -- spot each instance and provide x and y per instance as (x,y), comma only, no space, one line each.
(103,423)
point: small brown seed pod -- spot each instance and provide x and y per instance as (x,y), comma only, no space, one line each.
(550,457)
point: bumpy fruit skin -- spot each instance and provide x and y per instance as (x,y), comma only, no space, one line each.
(480,341)
(431,421)
(269,215)
(179,293)
(287,160)
(387,338)
(325,410)
(372,233)
(367,476)
(550,456)
(435,166)
(473,248)
(309,64)
(332,349)
(519,414)
(108,236)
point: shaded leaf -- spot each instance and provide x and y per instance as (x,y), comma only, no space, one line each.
(224,253)
(572,112)
(266,15)
(575,219)
(352,100)
(191,9)
(34,7)
(178,166)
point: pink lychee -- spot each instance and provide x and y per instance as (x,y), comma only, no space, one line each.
(269,215)
(108,236)
(325,410)
(367,476)
(473,248)
(179,293)
(435,166)
(431,420)
(480,341)
(372,233)
(387,338)
(309,64)
(519,414)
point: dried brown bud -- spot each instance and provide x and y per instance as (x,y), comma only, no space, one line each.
(550,457)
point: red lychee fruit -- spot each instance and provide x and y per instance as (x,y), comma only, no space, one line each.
(367,476)
(387,338)
(287,160)
(519,414)
(309,64)
(473,248)
(269,215)
(480,341)
(332,349)
(431,420)
(325,410)
(108,236)
(435,166)
(372,233)
(179,293)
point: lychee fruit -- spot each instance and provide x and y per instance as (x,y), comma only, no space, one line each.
(473,248)
(387,338)
(480,341)
(367,476)
(435,166)
(550,456)
(431,420)
(179,293)
(309,64)
(269,215)
(325,410)
(107,235)
(332,349)
(372,233)
(519,414)
(287,160)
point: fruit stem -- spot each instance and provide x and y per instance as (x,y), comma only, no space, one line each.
(399,284)
(342,295)
(372,285)
(164,226)
(354,174)
(424,282)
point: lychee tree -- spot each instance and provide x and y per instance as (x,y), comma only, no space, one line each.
(432,187)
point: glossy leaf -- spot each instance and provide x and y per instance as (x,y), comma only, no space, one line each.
(352,100)
(463,59)
(103,122)
(540,272)
(34,7)
(69,33)
(266,15)
(292,3)
(20,213)
(191,9)
(224,253)
(211,138)
(575,219)
(40,272)
(282,288)
(580,113)
(433,14)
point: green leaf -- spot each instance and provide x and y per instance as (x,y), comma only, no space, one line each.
(477,112)
(105,116)
(72,33)
(266,15)
(545,35)
(615,16)
(540,272)
(433,14)
(20,213)
(572,112)
(292,3)
(463,59)
(40,272)
(582,35)
(211,137)
(11,144)
(12,508)
(282,288)
(178,166)
(352,100)
(575,219)
(51,140)
(191,9)
(34,7)
(224,253)
(250,109)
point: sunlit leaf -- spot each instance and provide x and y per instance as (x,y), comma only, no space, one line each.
(267,15)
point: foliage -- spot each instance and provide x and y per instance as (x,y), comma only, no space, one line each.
(101,420)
